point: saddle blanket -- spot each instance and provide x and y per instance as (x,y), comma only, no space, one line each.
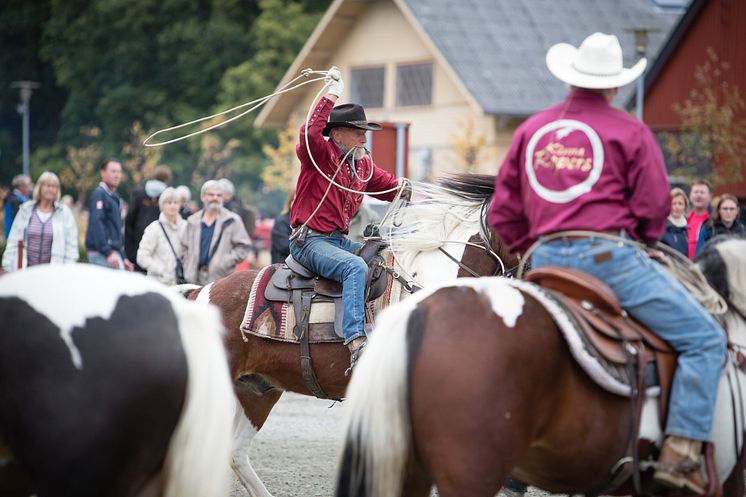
(610,377)
(276,320)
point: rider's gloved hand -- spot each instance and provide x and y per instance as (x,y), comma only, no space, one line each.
(333,79)
(406,189)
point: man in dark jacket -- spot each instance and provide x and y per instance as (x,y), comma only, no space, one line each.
(20,192)
(142,211)
(103,238)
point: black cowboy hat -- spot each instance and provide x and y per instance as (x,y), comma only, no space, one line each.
(349,116)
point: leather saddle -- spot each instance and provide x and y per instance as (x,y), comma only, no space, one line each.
(297,285)
(293,279)
(616,336)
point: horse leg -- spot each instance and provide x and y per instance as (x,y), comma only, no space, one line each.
(252,409)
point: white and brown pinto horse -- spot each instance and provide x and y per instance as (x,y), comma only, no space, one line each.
(462,386)
(110,384)
(428,238)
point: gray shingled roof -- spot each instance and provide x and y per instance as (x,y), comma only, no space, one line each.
(497,47)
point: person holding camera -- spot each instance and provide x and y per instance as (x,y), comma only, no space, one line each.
(159,252)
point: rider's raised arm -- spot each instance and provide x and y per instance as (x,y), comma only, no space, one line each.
(316,142)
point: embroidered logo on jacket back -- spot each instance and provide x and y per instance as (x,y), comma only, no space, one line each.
(564,159)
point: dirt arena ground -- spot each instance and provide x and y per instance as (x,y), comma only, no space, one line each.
(296,452)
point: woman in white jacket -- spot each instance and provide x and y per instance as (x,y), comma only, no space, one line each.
(155,254)
(45,225)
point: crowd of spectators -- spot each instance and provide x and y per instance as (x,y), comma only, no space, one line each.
(161,232)
(689,232)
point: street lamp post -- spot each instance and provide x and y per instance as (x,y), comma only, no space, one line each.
(641,45)
(26,89)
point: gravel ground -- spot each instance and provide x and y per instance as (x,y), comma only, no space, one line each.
(295,454)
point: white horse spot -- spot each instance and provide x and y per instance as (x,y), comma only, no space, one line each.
(203,296)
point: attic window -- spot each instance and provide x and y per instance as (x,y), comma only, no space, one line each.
(414,84)
(367,87)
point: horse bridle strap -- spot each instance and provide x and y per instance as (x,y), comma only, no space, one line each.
(460,264)
(410,287)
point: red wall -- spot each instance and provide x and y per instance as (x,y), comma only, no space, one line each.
(383,148)
(721,24)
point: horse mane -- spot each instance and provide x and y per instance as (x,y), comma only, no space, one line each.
(473,186)
(437,211)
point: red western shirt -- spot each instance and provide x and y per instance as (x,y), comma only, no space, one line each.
(339,205)
(580,165)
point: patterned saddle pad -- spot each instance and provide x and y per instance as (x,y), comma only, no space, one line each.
(276,320)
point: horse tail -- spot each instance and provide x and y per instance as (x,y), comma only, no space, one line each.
(378,431)
(198,456)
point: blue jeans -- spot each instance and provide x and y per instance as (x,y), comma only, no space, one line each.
(655,298)
(332,257)
(99,259)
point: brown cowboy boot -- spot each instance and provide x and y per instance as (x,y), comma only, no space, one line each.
(356,350)
(678,465)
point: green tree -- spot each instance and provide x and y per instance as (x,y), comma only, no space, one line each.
(105,64)
(283,169)
(81,173)
(711,133)
(278,35)
(21,25)
(156,61)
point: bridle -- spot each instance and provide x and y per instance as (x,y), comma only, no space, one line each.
(486,237)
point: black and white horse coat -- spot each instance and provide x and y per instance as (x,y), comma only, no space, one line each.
(110,384)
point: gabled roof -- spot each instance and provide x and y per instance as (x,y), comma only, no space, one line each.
(497,47)
(493,49)
(318,51)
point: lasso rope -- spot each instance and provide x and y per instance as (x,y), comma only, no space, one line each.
(690,275)
(259,102)
(255,104)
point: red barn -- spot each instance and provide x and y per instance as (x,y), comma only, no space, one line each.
(716,24)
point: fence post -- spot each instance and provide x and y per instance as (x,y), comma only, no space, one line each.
(20,254)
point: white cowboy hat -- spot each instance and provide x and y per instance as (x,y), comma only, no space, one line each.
(596,64)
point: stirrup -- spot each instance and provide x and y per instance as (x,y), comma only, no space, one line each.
(674,476)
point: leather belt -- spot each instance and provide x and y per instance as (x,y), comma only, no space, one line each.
(335,232)
(621,233)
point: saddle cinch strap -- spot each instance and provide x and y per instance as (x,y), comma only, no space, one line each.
(595,309)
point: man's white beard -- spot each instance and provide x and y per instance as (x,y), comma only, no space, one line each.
(214,206)
(359,152)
